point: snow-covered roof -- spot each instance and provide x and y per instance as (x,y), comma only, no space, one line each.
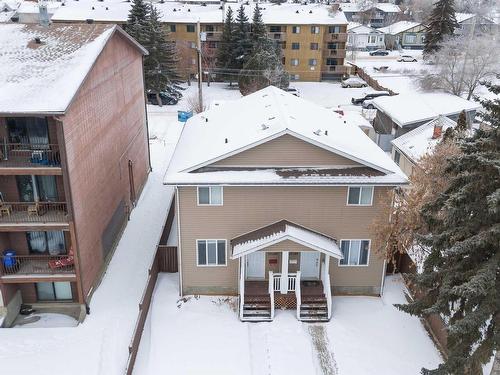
(358,7)
(398,27)
(284,231)
(410,108)
(7,10)
(44,77)
(461,17)
(174,12)
(357,28)
(265,115)
(419,141)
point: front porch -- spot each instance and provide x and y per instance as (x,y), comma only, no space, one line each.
(285,266)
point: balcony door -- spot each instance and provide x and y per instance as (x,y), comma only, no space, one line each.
(28,130)
(46,243)
(33,188)
(57,291)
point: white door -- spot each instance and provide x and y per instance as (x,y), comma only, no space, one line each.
(256,263)
(309,265)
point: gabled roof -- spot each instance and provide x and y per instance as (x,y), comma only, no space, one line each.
(43,78)
(461,17)
(398,27)
(358,7)
(260,117)
(418,142)
(284,230)
(357,28)
(410,108)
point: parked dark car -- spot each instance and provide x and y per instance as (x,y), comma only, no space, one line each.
(165,98)
(379,52)
(372,95)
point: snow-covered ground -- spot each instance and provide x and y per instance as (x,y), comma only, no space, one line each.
(99,346)
(203,335)
(46,320)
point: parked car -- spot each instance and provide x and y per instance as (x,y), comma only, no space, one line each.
(372,95)
(164,97)
(379,52)
(407,58)
(293,91)
(368,104)
(353,82)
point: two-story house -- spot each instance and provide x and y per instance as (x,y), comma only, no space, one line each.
(275,197)
(73,157)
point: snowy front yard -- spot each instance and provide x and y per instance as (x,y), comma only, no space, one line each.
(203,335)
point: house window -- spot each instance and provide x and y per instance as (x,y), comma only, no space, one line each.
(410,38)
(314,46)
(57,291)
(190,28)
(355,252)
(360,195)
(211,252)
(313,62)
(296,29)
(397,157)
(333,29)
(210,195)
(314,29)
(172,28)
(372,39)
(294,62)
(295,45)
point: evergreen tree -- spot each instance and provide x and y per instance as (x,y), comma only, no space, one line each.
(226,59)
(461,274)
(259,32)
(462,122)
(243,44)
(160,66)
(137,21)
(442,23)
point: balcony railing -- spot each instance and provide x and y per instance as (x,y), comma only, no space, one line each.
(22,265)
(29,155)
(339,37)
(33,212)
(339,53)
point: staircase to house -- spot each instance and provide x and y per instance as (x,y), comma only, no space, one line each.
(313,306)
(257,302)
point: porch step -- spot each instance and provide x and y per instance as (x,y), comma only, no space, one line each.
(314,308)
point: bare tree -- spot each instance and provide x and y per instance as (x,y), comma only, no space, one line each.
(462,64)
(194,104)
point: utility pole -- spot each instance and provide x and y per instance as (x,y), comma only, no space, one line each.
(200,73)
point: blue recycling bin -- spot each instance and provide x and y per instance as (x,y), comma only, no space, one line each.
(9,258)
(183,116)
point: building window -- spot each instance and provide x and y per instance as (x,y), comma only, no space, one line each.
(314,29)
(410,38)
(283,60)
(210,28)
(275,29)
(360,195)
(397,157)
(211,252)
(49,243)
(190,28)
(331,45)
(355,252)
(314,46)
(330,61)
(294,62)
(296,29)
(172,28)
(283,44)
(333,29)
(192,45)
(294,77)
(295,45)
(372,39)
(56,291)
(212,44)
(210,195)
(313,62)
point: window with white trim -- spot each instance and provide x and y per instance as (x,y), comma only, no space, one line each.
(210,195)
(211,252)
(294,62)
(355,252)
(360,195)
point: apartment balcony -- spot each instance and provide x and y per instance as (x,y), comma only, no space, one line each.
(213,35)
(337,69)
(33,268)
(337,37)
(43,158)
(338,53)
(277,35)
(23,216)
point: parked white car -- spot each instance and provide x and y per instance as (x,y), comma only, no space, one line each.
(293,91)
(353,82)
(407,58)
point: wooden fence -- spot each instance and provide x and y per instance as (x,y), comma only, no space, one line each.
(371,81)
(165,260)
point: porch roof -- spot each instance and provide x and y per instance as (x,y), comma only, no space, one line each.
(281,231)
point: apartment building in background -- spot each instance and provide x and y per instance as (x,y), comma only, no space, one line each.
(313,37)
(74,157)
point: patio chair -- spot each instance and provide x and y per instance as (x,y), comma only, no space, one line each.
(4,208)
(34,209)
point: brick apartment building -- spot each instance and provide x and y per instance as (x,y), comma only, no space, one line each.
(74,157)
(313,36)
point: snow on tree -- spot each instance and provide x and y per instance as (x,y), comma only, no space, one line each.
(461,64)
(461,274)
(263,68)
(137,20)
(462,121)
(243,44)
(442,23)
(160,66)
(259,32)
(226,59)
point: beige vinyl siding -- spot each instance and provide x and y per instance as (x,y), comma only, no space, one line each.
(404,163)
(286,150)
(245,209)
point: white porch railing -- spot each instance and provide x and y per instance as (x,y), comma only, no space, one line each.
(297,293)
(242,286)
(292,280)
(325,278)
(276,282)
(271,292)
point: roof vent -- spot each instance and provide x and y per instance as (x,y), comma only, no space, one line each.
(264,127)
(189,10)
(63,5)
(326,132)
(93,8)
(206,119)
(89,20)
(297,11)
(310,12)
(107,8)
(271,118)
(38,40)
(317,132)
(175,10)
(225,140)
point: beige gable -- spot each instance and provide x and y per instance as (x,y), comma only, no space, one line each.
(285,151)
